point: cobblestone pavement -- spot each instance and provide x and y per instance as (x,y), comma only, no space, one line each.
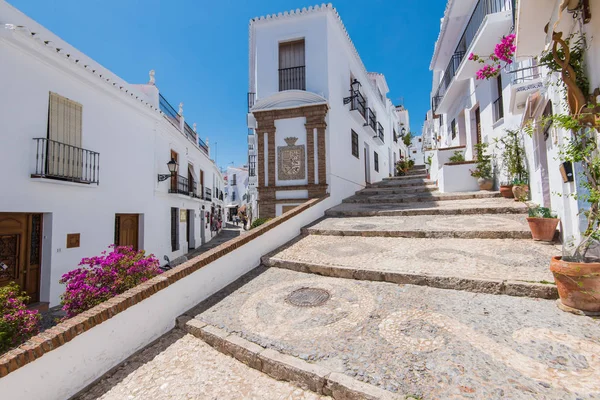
(502,224)
(425,342)
(230,231)
(180,366)
(441,207)
(504,259)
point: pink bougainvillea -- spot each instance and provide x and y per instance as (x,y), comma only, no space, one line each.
(503,52)
(106,276)
(17,323)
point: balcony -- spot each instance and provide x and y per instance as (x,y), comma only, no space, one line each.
(490,20)
(359,104)
(498,109)
(61,161)
(207,194)
(169,111)
(371,120)
(182,185)
(380,135)
(526,79)
(190,133)
(292,78)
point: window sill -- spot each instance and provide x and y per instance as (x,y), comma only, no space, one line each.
(498,123)
(64,182)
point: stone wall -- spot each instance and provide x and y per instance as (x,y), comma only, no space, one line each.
(315,119)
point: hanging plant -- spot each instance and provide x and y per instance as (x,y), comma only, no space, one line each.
(503,53)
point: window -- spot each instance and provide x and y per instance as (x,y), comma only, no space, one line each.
(201,189)
(233,196)
(64,133)
(547,113)
(355,152)
(419,140)
(291,66)
(174,229)
(233,181)
(453,127)
(498,106)
(414,152)
(441,120)
(376,159)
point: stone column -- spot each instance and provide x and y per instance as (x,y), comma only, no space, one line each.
(310,152)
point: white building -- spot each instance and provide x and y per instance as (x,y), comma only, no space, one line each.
(237,190)
(85,158)
(320,122)
(466,111)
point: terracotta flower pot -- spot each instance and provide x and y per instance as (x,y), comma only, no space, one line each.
(543,229)
(578,284)
(506,191)
(485,184)
(521,192)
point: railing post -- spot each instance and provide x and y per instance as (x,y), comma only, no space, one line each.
(181,119)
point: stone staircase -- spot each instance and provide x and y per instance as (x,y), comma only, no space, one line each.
(428,296)
(402,230)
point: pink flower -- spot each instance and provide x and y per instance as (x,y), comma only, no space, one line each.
(471,56)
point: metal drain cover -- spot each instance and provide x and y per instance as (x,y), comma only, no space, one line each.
(308,297)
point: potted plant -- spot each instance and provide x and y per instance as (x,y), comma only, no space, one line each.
(520,189)
(483,171)
(512,164)
(401,166)
(428,162)
(577,271)
(542,222)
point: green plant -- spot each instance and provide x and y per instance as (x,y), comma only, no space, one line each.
(512,157)
(429,160)
(484,162)
(407,138)
(457,157)
(411,163)
(577,49)
(537,211)
(258,222)
(17,323)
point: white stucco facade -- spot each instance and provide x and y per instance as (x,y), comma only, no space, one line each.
(466,111)
(330,63)
(121,122)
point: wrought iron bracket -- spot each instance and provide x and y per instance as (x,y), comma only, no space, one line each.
(163,177)
(348,99)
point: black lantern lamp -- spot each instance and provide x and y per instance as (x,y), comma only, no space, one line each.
(403,132)
(354,90)
(172,165)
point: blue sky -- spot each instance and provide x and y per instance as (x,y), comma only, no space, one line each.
(199,50)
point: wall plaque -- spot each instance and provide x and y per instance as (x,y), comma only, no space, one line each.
(182,215)
(73,240)
(291,160)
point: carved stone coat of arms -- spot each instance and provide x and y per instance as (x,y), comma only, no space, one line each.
(291,160)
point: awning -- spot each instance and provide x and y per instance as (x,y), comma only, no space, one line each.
(192,172)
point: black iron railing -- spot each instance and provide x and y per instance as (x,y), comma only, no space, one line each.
(62,161)
(203,145)
(482,9)
(252,99)
(359,103)
(189,132)
(221,196)
(169,111)
(207,194)
(181,184)
(371,119)
(380,132)
(498,109)
(292,78)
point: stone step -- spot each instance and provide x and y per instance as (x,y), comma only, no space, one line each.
(398,189)
(495,266)
(449,207)
(404,183)
(485,226)
(413,341)
(405,177)
(420,197)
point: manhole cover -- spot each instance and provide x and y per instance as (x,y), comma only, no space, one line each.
(308,297)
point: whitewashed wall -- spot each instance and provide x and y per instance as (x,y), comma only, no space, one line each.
(134,143)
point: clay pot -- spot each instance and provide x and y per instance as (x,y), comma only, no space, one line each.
(543,229)
(506,191)
(521,192)
(485,184)
(578,284)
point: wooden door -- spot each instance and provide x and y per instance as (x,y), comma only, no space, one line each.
(20,252)
(126,230)
(478,125)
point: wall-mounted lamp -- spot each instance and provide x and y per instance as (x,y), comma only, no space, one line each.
(354,90)
(172,169)
(403,132)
